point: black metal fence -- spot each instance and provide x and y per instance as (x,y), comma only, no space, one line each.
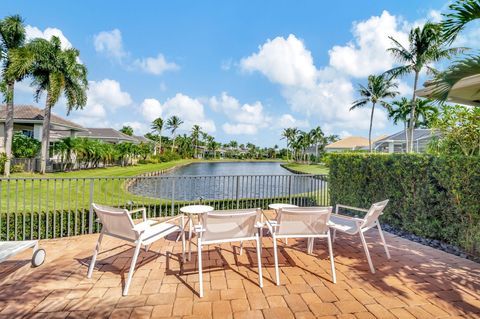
(39,208)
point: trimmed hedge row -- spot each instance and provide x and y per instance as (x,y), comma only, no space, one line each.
(435,197)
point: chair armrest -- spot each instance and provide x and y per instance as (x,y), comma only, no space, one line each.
(141,227)
(144,212)
(356,219)
(350,207)
(198,229)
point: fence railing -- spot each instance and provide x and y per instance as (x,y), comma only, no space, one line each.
(40,208)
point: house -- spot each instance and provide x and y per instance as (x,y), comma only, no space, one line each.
(142,139)
(396,143)
(28,120)
(466,91)
(350,143)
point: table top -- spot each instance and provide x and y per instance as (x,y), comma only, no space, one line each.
(196,209)
(281,205)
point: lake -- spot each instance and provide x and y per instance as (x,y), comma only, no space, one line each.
(225,180)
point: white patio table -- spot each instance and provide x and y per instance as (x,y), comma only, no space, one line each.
(190,211)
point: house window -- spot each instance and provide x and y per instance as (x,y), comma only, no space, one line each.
(28,133)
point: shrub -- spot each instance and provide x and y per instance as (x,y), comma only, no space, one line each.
(435,197)
(18,168)
(24,146)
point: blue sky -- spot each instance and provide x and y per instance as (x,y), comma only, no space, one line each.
(242,70)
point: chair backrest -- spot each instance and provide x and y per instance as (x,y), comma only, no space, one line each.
(373,213)
(303,221)
(230,224)
(116,221)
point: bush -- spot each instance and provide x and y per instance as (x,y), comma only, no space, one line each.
(3,159)
(24,146)
(18,168)
(434,197)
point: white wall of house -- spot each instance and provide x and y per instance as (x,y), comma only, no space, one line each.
(37,131)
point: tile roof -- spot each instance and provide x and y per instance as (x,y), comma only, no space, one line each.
(142,139)
(32,113)
(349,142)
(107,133)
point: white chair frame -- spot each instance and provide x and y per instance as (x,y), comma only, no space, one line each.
(200,232)
(137,236)
(275,226)
(362,225)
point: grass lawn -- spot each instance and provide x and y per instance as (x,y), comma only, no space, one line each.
(308,168)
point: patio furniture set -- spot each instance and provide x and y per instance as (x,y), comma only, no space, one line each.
(225,226)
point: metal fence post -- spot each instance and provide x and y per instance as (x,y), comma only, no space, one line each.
(237,191)
(90,212)
(290,189)
(173,196)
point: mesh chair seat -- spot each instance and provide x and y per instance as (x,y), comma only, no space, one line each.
(347,225)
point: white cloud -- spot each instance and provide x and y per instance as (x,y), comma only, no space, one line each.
(139,128)
(287,120)
(367,53)
(156,65)
(242,116)
(190,110)
(110,44)
(103,97)
(34,32)
(283,61)
(240,128)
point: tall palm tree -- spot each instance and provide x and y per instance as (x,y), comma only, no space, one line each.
(173,123)
(290,135)
(318,138)
(157,126)
(426,45)
(54,71)
(195,135)
(12,36)
(379,89)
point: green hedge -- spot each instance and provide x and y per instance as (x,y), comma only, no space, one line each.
(435,197)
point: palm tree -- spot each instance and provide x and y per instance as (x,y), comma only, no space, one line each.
(54,71)
(157,126)
(195,135)
(318,138)
(290,135)
(378,89)
(127,130)
(173,123)
(426,46)
(461,13)
(12,36)
(399,111)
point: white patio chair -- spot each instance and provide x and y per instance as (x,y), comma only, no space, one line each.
(302,222)
(117,222)
(229,226)
(353,225)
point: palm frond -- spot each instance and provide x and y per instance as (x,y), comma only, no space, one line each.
(462,12)
(443,82)
(399,71)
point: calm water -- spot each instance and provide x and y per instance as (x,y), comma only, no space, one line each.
(225,181)
(231,168)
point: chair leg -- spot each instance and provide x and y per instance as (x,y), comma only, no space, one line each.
(132,267)
(332,262)
(183,239)
(94,257)
(367,253)
(200,274)
(334,234)
(190,228)
(380,231)
(259,261)
(275,257)
(241,248)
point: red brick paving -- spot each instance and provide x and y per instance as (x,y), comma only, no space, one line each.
(418,282)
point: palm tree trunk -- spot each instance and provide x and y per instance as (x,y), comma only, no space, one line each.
(160,144)
(45,136)
(370,129)
(316,152)
(412,115)
(173,142)
(9,128)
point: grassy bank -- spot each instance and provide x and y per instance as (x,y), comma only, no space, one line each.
(308,168)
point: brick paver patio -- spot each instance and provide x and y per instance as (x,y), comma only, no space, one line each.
(418,282)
